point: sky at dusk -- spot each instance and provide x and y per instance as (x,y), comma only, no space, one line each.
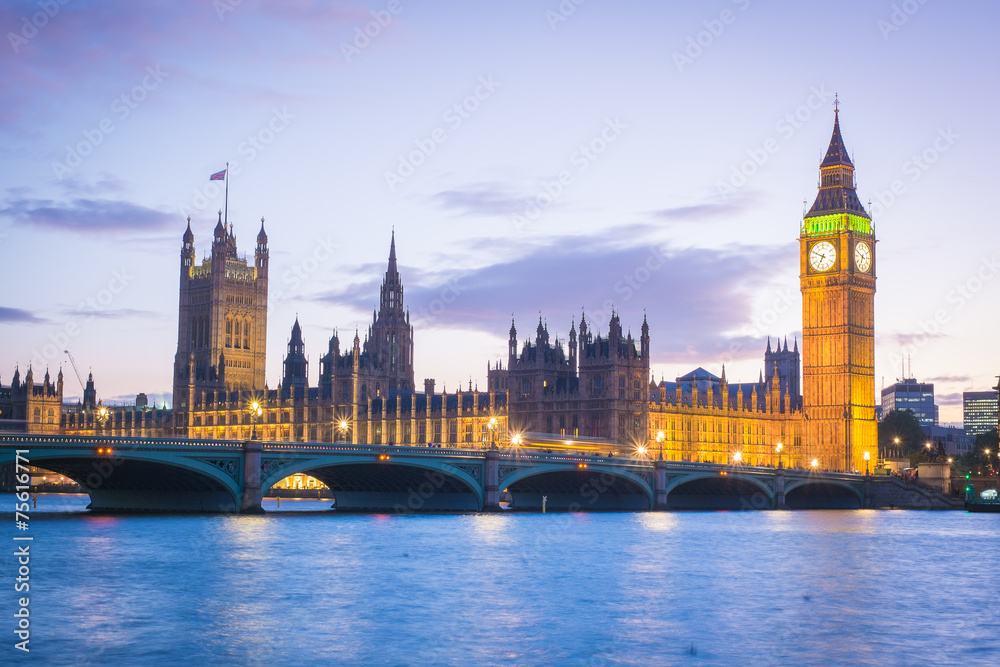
(532,157)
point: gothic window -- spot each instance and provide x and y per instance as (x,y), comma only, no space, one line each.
(237,330)
(635,389)
(621,386)
(525,388)
(246,334)
(597,384)
(229,332)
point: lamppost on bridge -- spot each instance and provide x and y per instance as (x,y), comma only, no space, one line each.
(256,409)
(492,427)
(867,457)
(737,457)
(343,426)
(102,417)
(778,448)
(515,440)
(814,464)
(660,437)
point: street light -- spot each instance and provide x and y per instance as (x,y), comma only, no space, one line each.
(516,440)
(492,425)
(778,449)
(342,427)
(867,457)
(660,437)
(815,463)
(737,456)
(256,409)
(102,416)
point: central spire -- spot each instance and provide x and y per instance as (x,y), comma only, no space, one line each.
(392,287)
(392,254)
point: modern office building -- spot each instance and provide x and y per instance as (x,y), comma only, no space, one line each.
(979,409)
(908,394)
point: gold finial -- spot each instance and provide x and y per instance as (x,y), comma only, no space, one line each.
(836,103)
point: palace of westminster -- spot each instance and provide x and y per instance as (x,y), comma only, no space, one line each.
(597,390)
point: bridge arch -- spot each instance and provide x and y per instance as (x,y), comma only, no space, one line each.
(401,484)
(823,494)
(711,490)
(150,481)
(567,487)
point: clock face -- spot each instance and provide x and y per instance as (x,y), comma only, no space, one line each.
(822,256)
(862,256)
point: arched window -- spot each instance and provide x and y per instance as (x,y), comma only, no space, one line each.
(246,334)
(229,332)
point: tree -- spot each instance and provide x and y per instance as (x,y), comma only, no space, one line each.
(989,440)
(900,431)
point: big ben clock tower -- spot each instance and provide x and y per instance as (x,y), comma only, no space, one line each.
(837,278)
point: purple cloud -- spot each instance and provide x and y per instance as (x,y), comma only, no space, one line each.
(688,295)
(18,316)
(84,215)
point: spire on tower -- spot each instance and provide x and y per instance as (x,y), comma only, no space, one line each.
(261,235)
(837,193)
(392,253)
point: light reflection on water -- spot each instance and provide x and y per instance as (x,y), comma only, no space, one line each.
(755,588)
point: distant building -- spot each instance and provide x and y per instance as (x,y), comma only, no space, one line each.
(30,407)
(979,409)
(956,441)
(908,394)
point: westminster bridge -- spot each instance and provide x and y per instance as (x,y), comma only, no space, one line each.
(144,474)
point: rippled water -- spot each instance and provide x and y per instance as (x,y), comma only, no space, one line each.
(751,588)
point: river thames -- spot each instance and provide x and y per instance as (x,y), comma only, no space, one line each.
(747,588)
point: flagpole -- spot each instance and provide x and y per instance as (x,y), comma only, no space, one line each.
(227,194)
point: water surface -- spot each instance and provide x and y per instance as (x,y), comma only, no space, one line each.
(691,588)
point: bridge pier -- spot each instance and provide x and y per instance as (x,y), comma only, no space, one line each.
(779,489)
(252,493)
(491,481)
(660,485)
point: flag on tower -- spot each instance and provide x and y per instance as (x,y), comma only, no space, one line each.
(218,176)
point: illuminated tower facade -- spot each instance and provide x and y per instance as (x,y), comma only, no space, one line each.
(222,320)
(837,279)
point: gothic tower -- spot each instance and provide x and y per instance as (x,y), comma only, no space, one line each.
(296,376)
(391,336)
(222,320)
(837,279)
